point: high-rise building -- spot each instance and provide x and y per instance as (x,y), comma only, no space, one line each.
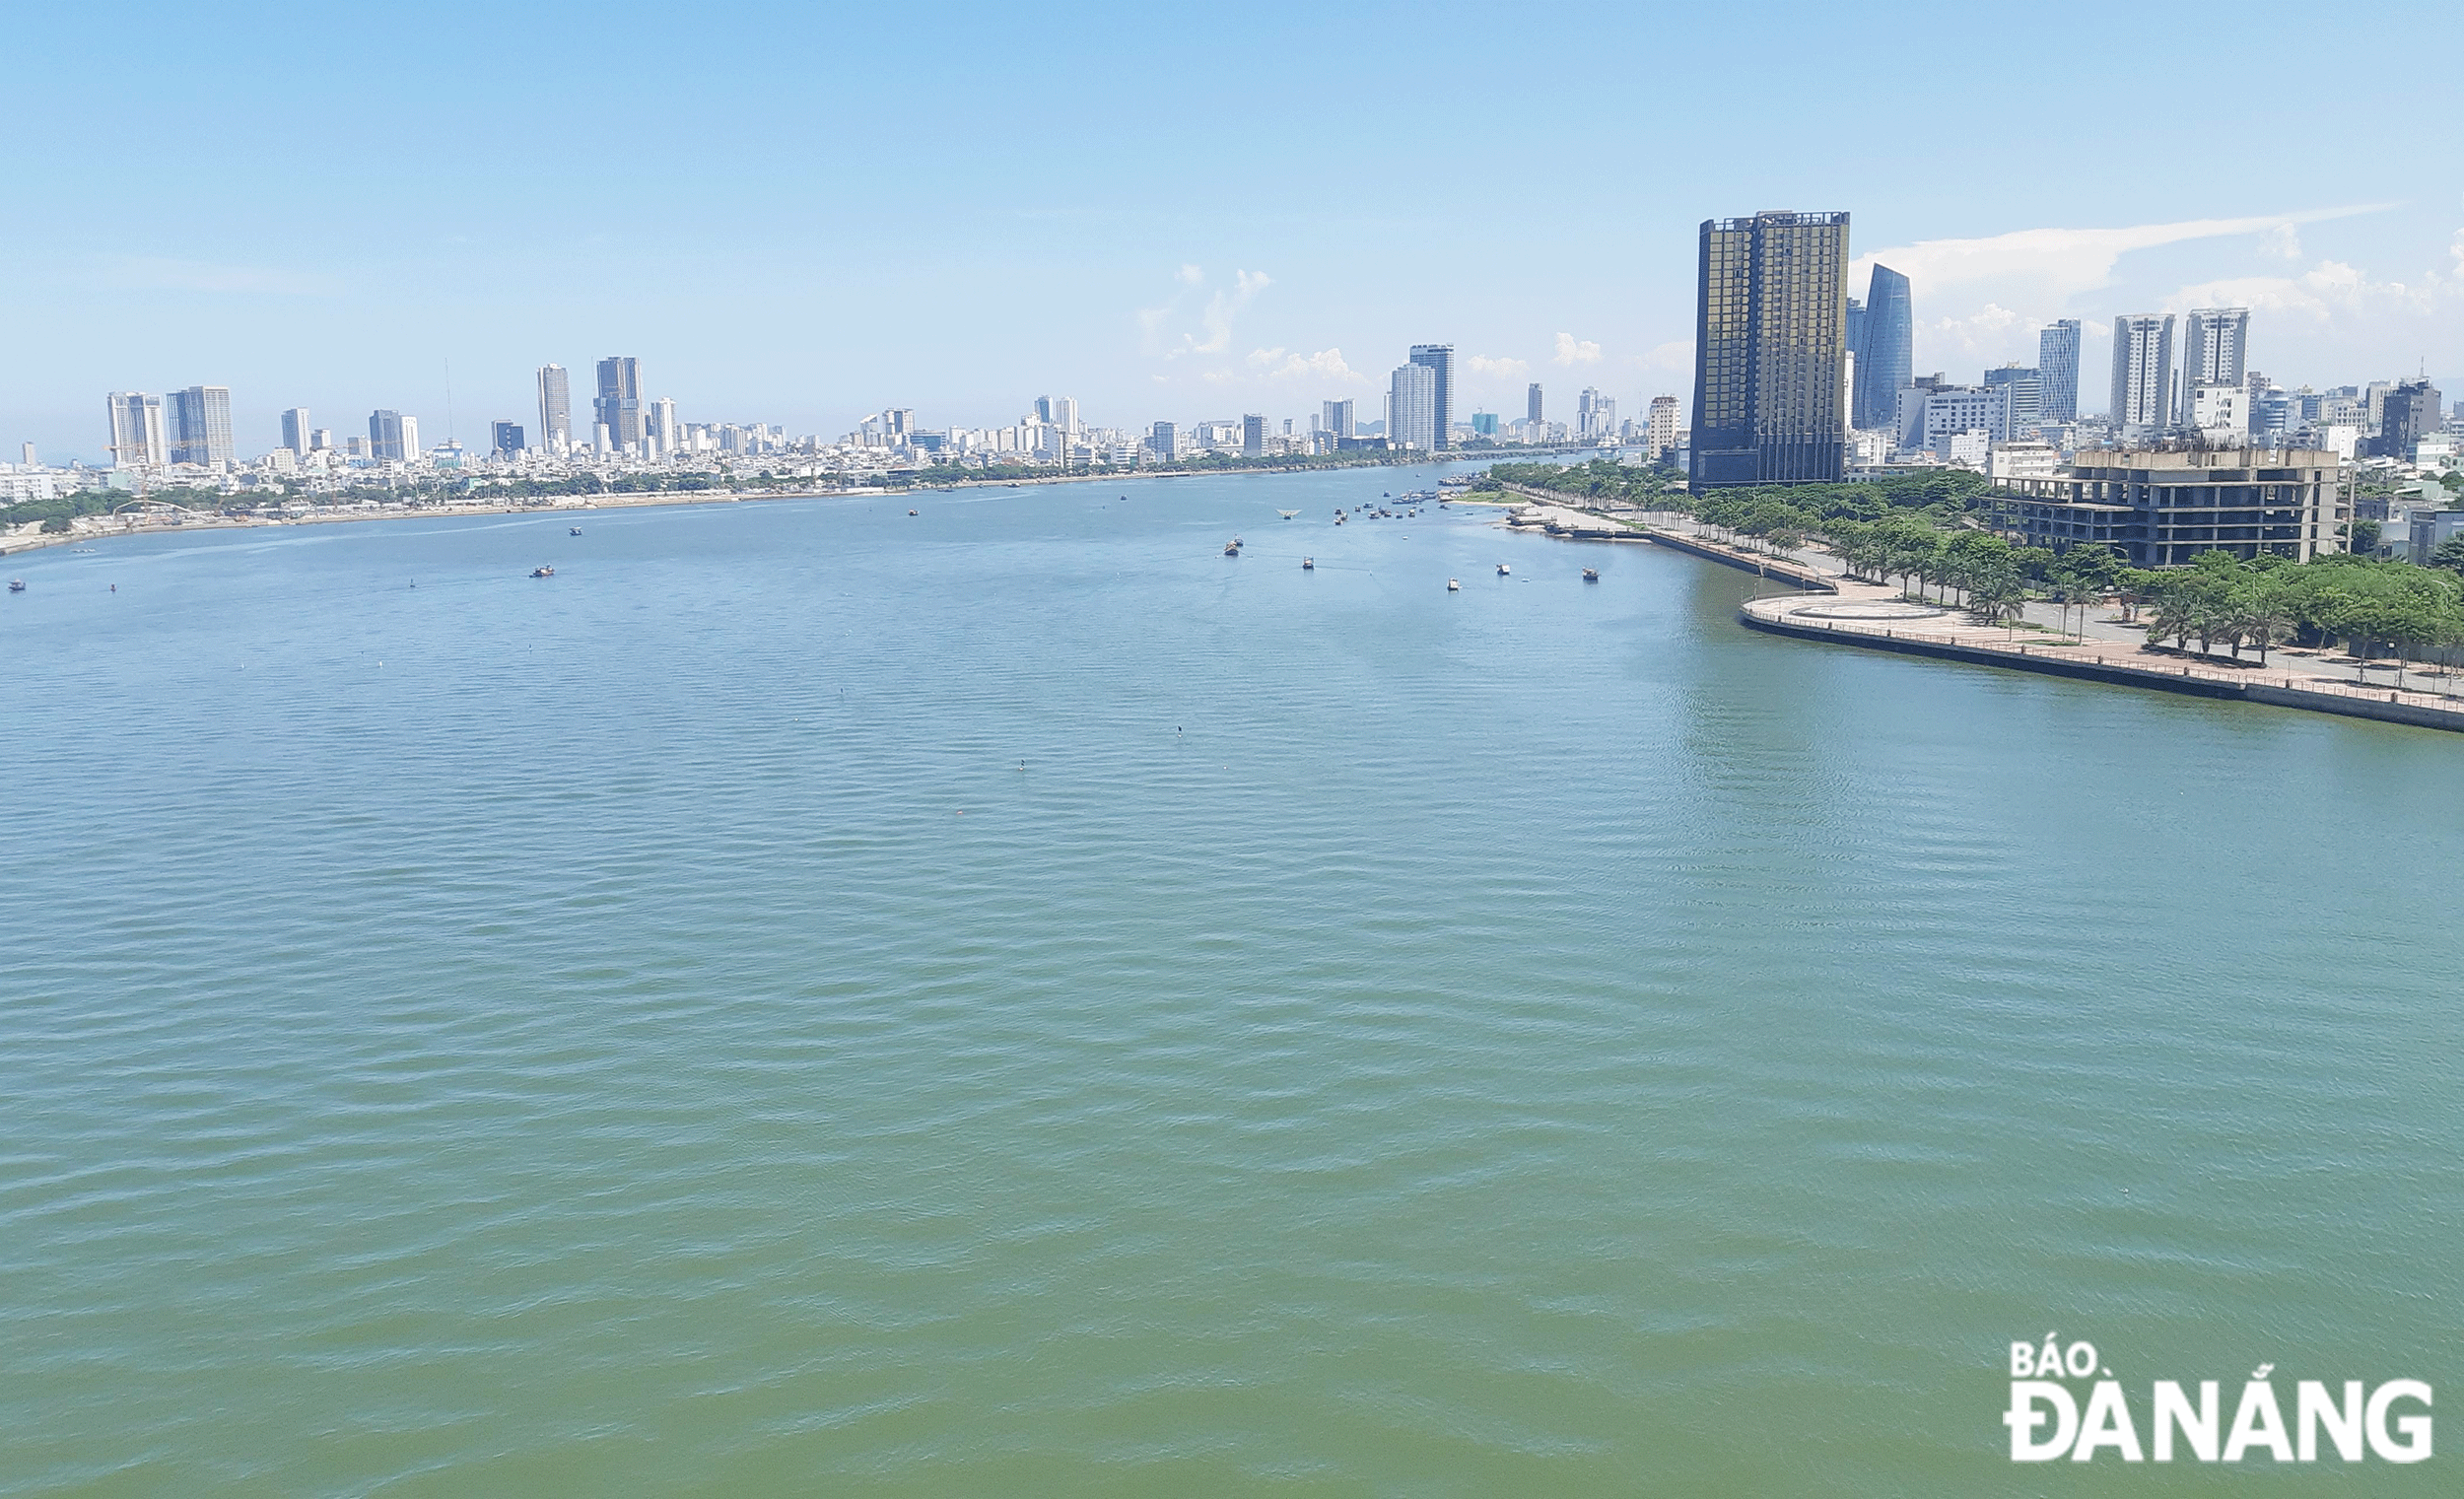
(201,424)
(2023,395)
(506,437)
(1412,406)
(659,426)
(1663,425)
(619,406)
(1595,416)
(556,408)
(2407,414)
(137,437)
(2057,369)
(1164,440)
(296,433)
(385,436)
(1884,347)
(1769,350)
(1532,404)
(2143,374)
(2216,346)
(1254,436)
(1339,417)
(1439,360)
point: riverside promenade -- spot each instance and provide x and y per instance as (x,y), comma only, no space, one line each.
(1876,618)
(1559,520)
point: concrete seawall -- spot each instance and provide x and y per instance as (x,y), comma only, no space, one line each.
(2387,707)
(1772,568)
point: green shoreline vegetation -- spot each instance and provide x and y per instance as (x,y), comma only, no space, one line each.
(1929,532)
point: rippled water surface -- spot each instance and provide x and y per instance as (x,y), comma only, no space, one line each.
(1011,1001)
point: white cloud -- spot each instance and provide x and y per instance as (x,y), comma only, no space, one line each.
(1481,363)
(1576,351)
(2327,290)
(2051,265)
(1981,337)
(1677,355)
(1324,366)
(1214,319)
(1221,308)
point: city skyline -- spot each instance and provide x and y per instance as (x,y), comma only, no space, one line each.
(1004,270)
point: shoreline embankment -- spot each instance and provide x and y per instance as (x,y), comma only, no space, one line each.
(1781,616)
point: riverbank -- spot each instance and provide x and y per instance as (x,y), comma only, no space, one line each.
(1577,525)
(1878,619)
(92,528)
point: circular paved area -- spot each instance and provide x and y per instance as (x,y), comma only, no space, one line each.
(1869,611)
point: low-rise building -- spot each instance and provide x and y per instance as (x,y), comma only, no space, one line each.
(2163,508)
(2024,459)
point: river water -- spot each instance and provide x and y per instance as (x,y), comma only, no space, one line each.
(1009,1000)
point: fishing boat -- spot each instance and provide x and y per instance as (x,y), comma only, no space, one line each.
(572,530)
(1287,515)
(1309,564)
(543,571)
(1232,548)
(1591,574)
(1503,571)
(911,513)
(1453,586)
(17,585)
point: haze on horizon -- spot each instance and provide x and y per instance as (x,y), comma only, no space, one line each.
(801,215)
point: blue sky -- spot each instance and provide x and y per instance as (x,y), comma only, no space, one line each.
(799,214)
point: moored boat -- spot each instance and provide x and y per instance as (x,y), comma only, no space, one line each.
(543,571)
(1503,570)
(1452,586)
(1591,574)
(1309,564)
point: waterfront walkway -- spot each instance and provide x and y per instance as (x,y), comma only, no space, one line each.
(1879,618)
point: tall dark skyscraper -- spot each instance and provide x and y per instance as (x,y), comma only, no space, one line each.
(1531,406)
(1771,333)
(385,436)
(1439,359)
(619,406)
(1885,351)
(2057,362)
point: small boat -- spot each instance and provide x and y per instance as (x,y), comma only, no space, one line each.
(572,530)
(1453,586)
(1309,564)
(911,513)
(1232,548)
(1287,515)
(1591,574)
(544,571)
(1503,570)
(17,585)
